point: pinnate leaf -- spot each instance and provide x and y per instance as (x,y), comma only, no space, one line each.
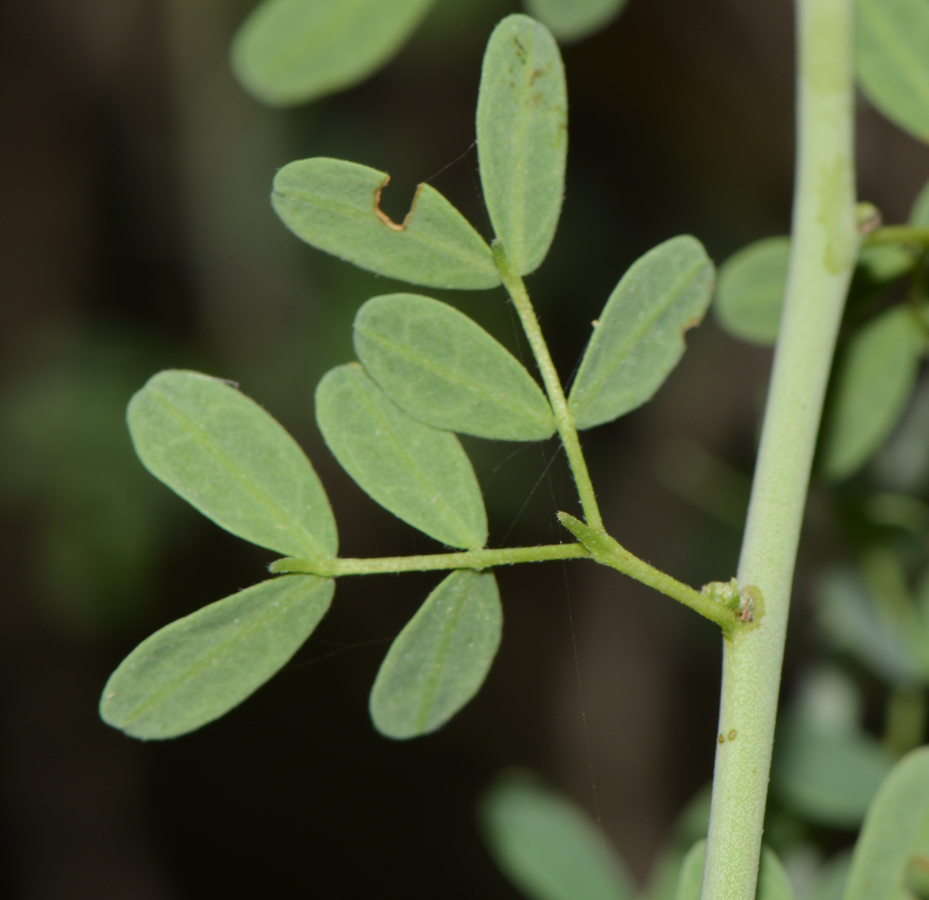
(639,338)
(198,668)
(441,658)
(893,60)
(570,20)
(333,205)
(522,137)
(292,51)
(227,457)
(874,378)
(751,289)
(421,474)
(895,833)
(547,846)
(445,370)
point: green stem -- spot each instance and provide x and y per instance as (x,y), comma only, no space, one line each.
(899,234)
(603,549)
(823,250)
(564,421)
(469,559)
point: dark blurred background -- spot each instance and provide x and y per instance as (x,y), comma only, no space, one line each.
(136,234)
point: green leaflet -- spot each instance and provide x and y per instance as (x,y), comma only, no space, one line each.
(522,138)
(893,60)
(895,832)
(751,290)
(873,381)
(292,51)
(198,668)
(828,777)
(773,883)
(441,658)
(919,214)
(570,20)
(445,370)
(420,474)
(640,335)
(547,846)
(227,457)
(333,205)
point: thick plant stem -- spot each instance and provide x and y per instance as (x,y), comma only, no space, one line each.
(823,250)
(564,421)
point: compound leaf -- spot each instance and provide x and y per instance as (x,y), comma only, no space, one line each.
(874,378)
(640,335)
(292,51)
(893,60)
(570,20)
(227,457)
(919,214)
(333,205)
(751,288)
(198,668)
(828,777)
(445,370)
(440,659)
(547,846)
(522,137)
(421,474)
(895,835)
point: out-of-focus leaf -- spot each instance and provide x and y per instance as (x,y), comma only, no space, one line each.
(419,473)
(874,378)
(691,824)
(522,137)
(548,847)
(198,668)
(826,776)
(227,457)
(886,262)
(639,337)
(849,616)
(829,881)
(570,20)
(333,205)
(895,832)
(919,214)
(893,60)
(440,660)
(446,371)
(292,51)
(773,883)
(751,289)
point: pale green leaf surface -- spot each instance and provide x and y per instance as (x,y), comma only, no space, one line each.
(828,777)
(422,475)
(773,882)
(227,457)
(892,60)
(441,658)
(522,138)
(570,20)
(639,337)
(919,214)
(895,831)
(446,371)
(547,846)
(292,51)
(198,668)
(333,205)
(886,262)
(751,289)
(829,881)
(875,376)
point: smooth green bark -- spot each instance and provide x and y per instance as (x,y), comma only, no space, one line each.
(823,250)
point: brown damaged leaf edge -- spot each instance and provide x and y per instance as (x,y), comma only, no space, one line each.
(390,223)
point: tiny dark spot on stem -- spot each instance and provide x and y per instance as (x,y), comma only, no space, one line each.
(721,739)
(731,735)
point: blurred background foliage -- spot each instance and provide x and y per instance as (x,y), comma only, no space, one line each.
(137,235)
